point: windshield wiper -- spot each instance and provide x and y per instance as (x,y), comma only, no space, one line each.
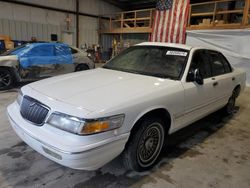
(121,69)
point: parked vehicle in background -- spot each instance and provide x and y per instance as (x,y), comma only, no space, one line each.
(86,119)
(35,61)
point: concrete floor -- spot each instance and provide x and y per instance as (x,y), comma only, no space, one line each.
(213,152)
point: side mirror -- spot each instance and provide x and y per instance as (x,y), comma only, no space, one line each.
(195,76)
(198,77)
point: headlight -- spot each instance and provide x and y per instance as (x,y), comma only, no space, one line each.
(85,127)
(19,97)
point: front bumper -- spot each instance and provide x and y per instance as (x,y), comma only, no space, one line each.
(91,158)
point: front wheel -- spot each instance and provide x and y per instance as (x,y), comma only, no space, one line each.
(6,79)
(82,67)
(145,144)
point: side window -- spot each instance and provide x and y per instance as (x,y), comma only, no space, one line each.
(62,50)
(42,50)
(201,61)
(227,66)
(216,63)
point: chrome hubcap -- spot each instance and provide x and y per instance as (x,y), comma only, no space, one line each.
(150,145)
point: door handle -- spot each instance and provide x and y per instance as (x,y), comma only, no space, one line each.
(215,84)
(233,78)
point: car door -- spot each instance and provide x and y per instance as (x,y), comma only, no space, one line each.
(199,98)
(38,61)
(64,59)
(222,76)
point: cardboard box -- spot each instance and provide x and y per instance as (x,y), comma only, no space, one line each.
(206,21)
(5,38)
(9,45)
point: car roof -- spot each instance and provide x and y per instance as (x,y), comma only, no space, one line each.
(173,45)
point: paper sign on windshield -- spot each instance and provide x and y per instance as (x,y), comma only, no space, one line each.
(178,53)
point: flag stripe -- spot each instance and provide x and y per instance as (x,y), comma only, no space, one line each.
(165,27)
(179,22)
(170,23)
(163,24)
(185,24)
(156,25)
(173,22)
(154,28)
(183,28)
(160,25)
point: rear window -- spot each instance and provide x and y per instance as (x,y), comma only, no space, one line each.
(217,63)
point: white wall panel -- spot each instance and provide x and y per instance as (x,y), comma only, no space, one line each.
(61,4)
(97,7)
(6,28)
(6,11)
(24,33)
(18,31)
(21,30)
(88,30)
(12,28)
(21,13)
(23,22)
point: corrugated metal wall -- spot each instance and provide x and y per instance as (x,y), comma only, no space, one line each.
(21,30)
(131,38)
(106,41)
(135,38)
(23,22)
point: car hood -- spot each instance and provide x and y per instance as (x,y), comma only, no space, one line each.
(98,89)
(8,57)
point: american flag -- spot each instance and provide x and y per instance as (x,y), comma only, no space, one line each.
(170,21)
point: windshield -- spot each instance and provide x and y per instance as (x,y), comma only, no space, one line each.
(15,50)
(163,62)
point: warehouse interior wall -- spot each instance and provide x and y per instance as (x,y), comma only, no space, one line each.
(22,22)
(234,44)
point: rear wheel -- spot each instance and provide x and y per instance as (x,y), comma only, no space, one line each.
(82,67)
(6,79)
(230,106)
(144,145)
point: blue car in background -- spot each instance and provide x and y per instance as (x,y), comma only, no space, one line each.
(35,61)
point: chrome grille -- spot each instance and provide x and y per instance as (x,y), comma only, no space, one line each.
(33,111)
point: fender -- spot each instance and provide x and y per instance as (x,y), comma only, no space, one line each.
(12,63)
(152,108)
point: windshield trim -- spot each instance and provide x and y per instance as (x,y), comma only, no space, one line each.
(141,73)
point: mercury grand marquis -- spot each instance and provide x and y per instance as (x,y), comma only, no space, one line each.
(83,120)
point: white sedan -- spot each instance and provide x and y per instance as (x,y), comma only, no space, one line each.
(84,120)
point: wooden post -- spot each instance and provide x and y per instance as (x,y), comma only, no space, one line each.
(110,23)
(189,15)
(77,23)
(150,21)
(122,20)
(246,13)
(135,19)
(214,14)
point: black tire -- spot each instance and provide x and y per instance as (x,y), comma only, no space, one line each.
(6,79)
(230,106)
(144,145)
(82,67)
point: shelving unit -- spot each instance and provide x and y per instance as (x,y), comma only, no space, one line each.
(219,15)
(137,21)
